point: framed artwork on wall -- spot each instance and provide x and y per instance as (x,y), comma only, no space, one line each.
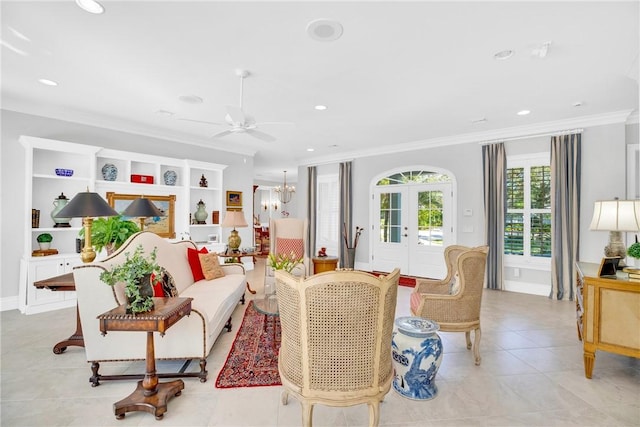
(234,199)
(163,226)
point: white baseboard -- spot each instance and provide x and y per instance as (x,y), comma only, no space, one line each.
(9,303)
(527,288)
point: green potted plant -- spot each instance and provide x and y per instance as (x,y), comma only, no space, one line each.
(135,273)
(111,232)
(44,240)
(634,252)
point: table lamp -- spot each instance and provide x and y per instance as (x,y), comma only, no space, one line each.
(87,205)
(142,208)
(616,216)
(234,219)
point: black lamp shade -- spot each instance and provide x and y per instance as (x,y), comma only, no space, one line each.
(86,204)
(142,207)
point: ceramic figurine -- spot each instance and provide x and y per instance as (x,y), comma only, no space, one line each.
(203,181)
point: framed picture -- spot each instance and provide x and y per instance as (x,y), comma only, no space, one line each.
(234,198)
(213,238)
(608,267)
(163,226)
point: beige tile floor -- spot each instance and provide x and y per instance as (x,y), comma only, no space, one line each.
(531,375)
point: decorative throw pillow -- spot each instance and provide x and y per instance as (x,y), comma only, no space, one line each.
(210,266)
(194,262)
(164,285)
(286,246)
(455,285)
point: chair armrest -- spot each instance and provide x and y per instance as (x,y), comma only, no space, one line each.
(233,268)
(432,286)
(441,308)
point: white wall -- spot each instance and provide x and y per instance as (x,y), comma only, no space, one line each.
(237,176)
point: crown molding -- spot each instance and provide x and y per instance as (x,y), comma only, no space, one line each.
(476,137)
(117,125)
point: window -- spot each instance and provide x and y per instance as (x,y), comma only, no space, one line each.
(527,233)
(328,215)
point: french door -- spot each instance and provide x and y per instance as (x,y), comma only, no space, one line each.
(412,227)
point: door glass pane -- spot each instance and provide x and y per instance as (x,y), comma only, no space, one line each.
(430,220)
(390,218)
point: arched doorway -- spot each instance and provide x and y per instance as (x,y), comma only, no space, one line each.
(412,217)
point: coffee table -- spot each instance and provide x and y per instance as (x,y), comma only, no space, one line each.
(150,395)
(268,305)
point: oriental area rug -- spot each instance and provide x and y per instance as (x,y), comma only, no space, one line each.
(253,359)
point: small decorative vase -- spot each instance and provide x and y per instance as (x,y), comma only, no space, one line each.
(416,351)
(203,182)
(201,214)
(351,258)
(170,177)
(44,245)
(59,203)
(109,172)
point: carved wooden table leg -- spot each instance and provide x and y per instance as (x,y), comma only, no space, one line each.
(150,395)
(76,339)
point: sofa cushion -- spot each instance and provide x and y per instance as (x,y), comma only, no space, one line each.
(210,266)
(163,284)
(414,302)
(194,262)
(287,246)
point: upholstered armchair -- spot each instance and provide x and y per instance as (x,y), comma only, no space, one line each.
(287,235)
(336,339)
(455,304)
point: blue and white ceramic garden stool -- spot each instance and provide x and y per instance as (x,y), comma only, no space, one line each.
(416,349)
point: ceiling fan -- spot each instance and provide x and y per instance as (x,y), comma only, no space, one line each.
(239,121)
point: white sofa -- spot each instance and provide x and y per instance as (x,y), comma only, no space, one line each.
(191,338)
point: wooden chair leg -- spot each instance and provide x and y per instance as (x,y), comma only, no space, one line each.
(374,414)
(467,335)
(307,414)
(476,346)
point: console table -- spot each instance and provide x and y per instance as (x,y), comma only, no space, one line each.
(150,395)
(608,314)
(64,282)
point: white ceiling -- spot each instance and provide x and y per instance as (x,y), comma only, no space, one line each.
(400,74)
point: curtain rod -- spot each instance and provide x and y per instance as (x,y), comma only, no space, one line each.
(535,135)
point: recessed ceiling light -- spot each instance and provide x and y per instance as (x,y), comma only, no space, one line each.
(578,104)
(90,6)
(190,99)
(48,82)
(479,120)
(503,54)
(165,113)
(523,112)
(324,30)
(311,149)
(320,107)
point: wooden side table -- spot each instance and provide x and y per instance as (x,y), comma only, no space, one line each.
(324,263)
(237,257)
(64,282)
(150,395)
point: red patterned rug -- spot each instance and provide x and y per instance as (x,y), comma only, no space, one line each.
(253,359)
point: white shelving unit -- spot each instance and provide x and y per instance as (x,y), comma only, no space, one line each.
(43,156)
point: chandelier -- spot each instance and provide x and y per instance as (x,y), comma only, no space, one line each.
(285,192)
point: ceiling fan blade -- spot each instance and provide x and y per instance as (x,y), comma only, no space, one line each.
(236,114)
(221,134)
(202,121)
(261,135)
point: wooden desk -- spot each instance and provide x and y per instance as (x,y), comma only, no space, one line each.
(64,282)
(608,314)
(324,263)
(150,395)
(237,257)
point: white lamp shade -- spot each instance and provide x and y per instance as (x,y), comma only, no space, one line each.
(234,219)
(616,215)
